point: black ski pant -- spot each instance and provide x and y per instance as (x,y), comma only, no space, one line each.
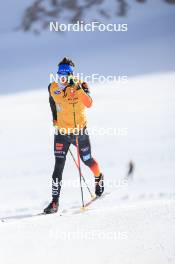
(61,147)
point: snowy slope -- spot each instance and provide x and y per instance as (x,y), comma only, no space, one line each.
(127,234)
(135,222)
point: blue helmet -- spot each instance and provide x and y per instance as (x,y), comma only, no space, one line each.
(65,69)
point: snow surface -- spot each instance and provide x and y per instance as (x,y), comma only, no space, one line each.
(134,223)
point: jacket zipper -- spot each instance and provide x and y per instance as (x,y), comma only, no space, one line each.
(75,125)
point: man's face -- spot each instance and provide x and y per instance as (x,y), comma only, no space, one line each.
(63,79)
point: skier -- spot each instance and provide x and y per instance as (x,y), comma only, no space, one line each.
(68,99)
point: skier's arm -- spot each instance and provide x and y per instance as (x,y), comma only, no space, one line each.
(84,93)
(52,106)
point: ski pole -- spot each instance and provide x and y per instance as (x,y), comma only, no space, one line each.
(79,169)
(78,154)
(81,174)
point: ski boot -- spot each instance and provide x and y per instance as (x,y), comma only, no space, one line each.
(51,208)
(99,185)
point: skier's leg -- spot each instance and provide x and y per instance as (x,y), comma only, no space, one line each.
(86,156)
(61,146)
(88,160)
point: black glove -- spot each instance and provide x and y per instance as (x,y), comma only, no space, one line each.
(71,82)
(79,87)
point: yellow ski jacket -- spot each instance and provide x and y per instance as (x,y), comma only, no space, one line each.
(68,106)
